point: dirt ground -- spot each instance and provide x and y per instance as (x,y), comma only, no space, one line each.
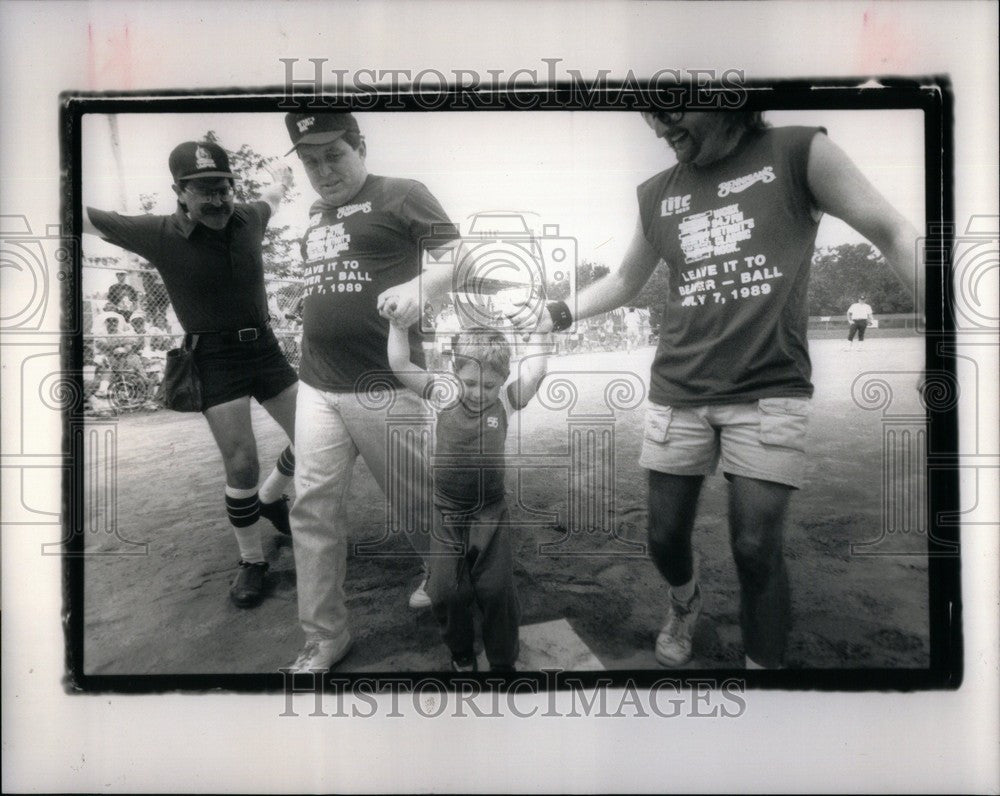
(155,594)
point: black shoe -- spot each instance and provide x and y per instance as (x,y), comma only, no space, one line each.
(465,664)
(248,588)
(503,669)
(277,513)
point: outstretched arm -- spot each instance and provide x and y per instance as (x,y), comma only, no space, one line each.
(88,225)
(404,303)
(841,190)
(281,173)
(412,376)
(531,370)
(614,290)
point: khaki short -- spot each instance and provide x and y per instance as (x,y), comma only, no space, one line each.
(763,439)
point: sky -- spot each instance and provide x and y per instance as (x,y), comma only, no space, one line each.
(574,170)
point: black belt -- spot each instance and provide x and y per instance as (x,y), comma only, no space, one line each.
(247,335)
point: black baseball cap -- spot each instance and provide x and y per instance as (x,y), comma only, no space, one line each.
(199,159)
(318,128)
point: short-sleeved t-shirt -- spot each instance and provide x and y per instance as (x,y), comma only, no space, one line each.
(352,253)
(468,462)
(738,237)
(215,279)
(860,311)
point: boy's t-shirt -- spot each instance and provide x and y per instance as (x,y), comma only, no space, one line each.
(468,463)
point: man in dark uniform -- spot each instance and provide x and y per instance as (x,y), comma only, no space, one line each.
(362,264)
(209,255)
(735,221)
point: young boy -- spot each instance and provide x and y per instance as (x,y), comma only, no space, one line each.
(471,552)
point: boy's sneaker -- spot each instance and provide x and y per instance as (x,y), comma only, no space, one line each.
(419,598)
(277,513)
(248,588)
(673,645)
(464,664)
(320,654)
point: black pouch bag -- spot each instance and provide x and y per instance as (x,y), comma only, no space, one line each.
(180,389)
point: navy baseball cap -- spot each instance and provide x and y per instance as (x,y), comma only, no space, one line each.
(318,128)
(199,159)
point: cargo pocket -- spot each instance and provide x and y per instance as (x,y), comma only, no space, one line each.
(658,423)
(783,422)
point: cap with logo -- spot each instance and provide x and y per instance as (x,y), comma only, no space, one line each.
(199,159)
(318,128)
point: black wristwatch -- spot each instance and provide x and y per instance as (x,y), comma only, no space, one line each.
(562,318)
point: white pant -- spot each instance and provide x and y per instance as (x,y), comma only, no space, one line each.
(392,431)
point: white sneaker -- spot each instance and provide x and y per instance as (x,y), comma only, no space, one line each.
(419,598)
(673,645)
(320,654)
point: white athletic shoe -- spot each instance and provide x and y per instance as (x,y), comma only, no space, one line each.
(419,598)
(320,654)
(673,645)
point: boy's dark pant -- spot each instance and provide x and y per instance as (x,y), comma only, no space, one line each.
(472,561)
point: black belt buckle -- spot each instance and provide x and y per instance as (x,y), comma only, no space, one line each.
(248,335)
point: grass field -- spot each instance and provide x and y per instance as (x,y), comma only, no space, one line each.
(164,608)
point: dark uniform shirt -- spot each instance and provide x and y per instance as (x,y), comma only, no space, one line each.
(215,279)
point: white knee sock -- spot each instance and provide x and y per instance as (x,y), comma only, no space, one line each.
(241,504)
(276,483)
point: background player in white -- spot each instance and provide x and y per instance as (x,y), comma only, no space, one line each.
(633,328)
(859,315)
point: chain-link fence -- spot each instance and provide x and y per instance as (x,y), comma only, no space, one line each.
(129,325)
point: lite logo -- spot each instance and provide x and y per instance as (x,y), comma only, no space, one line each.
(203,159)
(675,204)
(305,124)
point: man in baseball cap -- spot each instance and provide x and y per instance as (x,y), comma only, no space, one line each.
(203,182)
(318,128)
(209,255)
(364,242)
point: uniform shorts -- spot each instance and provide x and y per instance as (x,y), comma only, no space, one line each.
(763,439)
(230,369)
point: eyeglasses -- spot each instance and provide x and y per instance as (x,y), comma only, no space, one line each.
(210,193)
(667,117)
